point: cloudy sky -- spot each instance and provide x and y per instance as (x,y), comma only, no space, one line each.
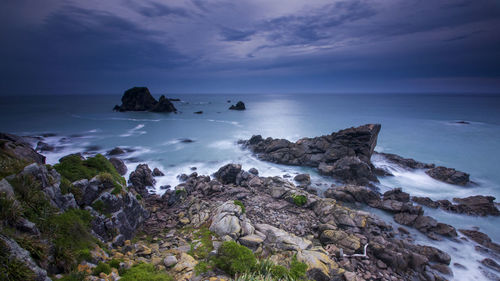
(249,46)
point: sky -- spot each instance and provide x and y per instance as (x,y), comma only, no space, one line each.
(249,46)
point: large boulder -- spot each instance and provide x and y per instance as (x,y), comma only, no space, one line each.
(140,99)
(14,147)
(228,173)
(448,175)
(142,178)
(119,165)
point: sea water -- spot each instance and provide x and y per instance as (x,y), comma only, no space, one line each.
(419,126)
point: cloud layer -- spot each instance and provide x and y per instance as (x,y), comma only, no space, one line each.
(250,46)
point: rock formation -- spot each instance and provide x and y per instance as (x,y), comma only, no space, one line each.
(140,99)
(344,155)
(239,106)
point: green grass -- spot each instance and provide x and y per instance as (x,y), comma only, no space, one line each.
(239,203)
(74,168)
(74,276)
(115,263)
(299,200)
(101,267)
(10,210)
(145,272)
(206,245)
(9,163)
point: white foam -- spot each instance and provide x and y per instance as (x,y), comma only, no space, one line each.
(237,124)
(135,131)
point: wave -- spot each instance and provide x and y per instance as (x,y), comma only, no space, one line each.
(237,124)
(135,131)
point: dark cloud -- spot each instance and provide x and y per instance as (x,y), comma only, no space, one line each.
(211,46)
(155,9)
(229,34)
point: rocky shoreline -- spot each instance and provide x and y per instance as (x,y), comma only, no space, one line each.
(183,234)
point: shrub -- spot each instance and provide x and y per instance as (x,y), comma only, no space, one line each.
(117,190)
(71,237)
(115,263)
(297,269)
(9,164)
(144,272)
(138,197)
(201,267)
(299,200)
(74,168)
(65,185)
(12,269)
(239,203)
(38,249)
(206,244)
(74,276)
(234,258)
(101,267)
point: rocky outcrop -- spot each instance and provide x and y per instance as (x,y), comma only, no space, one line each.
(344,155)
(141,179)
(477,205)
(353,193)
(481,239)
(239,106)
(449,175)
(228,173)
(140,99)
(119,165)
(16,147)
(405,162)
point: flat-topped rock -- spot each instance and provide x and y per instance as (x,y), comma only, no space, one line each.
(448,175)
(140,99)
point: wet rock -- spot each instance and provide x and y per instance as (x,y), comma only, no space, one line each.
(344,154)
(157,173)
(491,264)
(426,201)
(304,179)
(448,175)
(164,105)
(228,173)
(239,106)
(353,193)
(141,178)
(477,205)
(434,254)
(116,151)
(119,165)
(405,162)
(397,194)
(481,239)
(253,171)
(44,147)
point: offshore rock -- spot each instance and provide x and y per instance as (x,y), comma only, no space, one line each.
(140,99)
(239,106)
(344,155)
(141,178)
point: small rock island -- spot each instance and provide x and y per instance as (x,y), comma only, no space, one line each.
(140,99)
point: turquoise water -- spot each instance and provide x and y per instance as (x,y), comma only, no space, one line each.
(422,127)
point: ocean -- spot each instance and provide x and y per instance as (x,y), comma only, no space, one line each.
(419,126)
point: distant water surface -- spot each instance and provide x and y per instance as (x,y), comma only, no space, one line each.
(419,126)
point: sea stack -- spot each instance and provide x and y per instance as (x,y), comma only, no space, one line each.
(140,99)
(239,106)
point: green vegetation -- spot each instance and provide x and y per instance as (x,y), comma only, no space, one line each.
(117,190)
(101,267)
(202,267)
(74,168)
(138,197)
(71,237)
(145,272)
(299,200)
(239,203)
(10,210)
(74,276)
(115,263)
(38,249)
(12,269)
(100,207)
(297,269)
(205,245)
(234,258)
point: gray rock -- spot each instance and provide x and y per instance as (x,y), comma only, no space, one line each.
(142,178)
(157,173)
(169,261)
(448,175)
(119,165)
(253,171)
(228,173)
(304,179)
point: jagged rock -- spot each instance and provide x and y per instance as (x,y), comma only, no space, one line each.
(15,147)
(319,264)
(140,99)
(397,194)
(353,193)
(119,165)
(164,105)
(344,154)
(141,178)
(239,106)
(157,173)
(228,173)
(16,252)
(477,205)
(481,239)
(228,220)
(6,188)
(434,254)
(491,264)
(405,162)
(44,147)
(426,201)
(448,175)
